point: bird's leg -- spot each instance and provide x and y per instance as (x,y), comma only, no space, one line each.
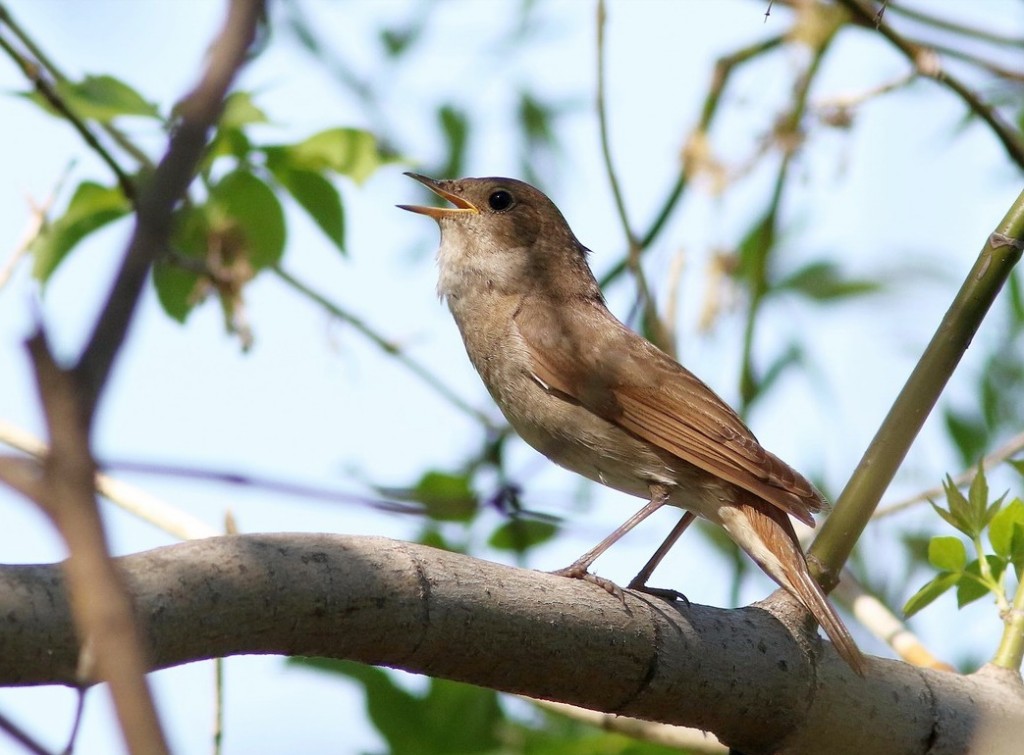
(578,568)
(639,582)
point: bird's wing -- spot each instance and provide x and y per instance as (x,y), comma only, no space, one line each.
(624,379)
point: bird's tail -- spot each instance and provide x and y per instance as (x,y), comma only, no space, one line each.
(767,534)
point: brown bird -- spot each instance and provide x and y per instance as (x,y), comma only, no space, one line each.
(600,400)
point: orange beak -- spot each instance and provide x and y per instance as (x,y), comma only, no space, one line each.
(461,205)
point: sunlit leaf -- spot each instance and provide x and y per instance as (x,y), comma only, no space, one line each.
(350,152)
(1006,530)
(932,590)
(103,98)
(91,207)
(239,111)
(947,554)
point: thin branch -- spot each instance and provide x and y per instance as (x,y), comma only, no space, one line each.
(657,329)
(994,459)
(927,64)
(958,27)
(696,146)
(36,221)
(693,741)
(34,73)
(388,347)
(47,62)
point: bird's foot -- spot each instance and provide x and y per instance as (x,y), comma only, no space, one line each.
(664,593)
(579,572)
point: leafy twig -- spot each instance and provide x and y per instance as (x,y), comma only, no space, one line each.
(47,62)
(34,73)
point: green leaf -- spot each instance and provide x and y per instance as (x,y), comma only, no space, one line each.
(823,281)
(447,497)
(350,152)
(177,288)
(970,588)
(455,127)
(91,208)
(950,519)
(754,248)
(242,197)
(239,111)
(518,535)
(1017,464)
(450,717)
(318,198)
(932,590)
(947,554)
(1007,529)
(961,515)
(103,98)
(968,433)
(977,496)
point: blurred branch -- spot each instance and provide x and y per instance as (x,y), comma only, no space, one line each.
(878,466)
(135,501)
(926,62)
(693,741)
(957,27)
(695,151)
(36,221)
(654,325)
(789,136)
(388,347)
(997,457)
(111,639)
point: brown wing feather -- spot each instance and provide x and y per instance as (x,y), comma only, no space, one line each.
(626,380)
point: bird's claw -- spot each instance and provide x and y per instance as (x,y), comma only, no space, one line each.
(576,572)
(665,593)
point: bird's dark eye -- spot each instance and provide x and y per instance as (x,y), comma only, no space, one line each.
(500,200)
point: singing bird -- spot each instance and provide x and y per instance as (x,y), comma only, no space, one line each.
(598,399)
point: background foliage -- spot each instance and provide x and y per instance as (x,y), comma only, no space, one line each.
(791,223)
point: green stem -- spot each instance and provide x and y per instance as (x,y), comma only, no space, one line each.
(882,458)
(1010,652)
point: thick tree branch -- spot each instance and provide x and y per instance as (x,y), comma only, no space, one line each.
(739,673)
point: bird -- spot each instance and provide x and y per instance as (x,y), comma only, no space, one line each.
(595,397)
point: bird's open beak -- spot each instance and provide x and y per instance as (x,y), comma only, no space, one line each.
(461,205)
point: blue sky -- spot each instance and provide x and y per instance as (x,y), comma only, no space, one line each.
(313,402)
